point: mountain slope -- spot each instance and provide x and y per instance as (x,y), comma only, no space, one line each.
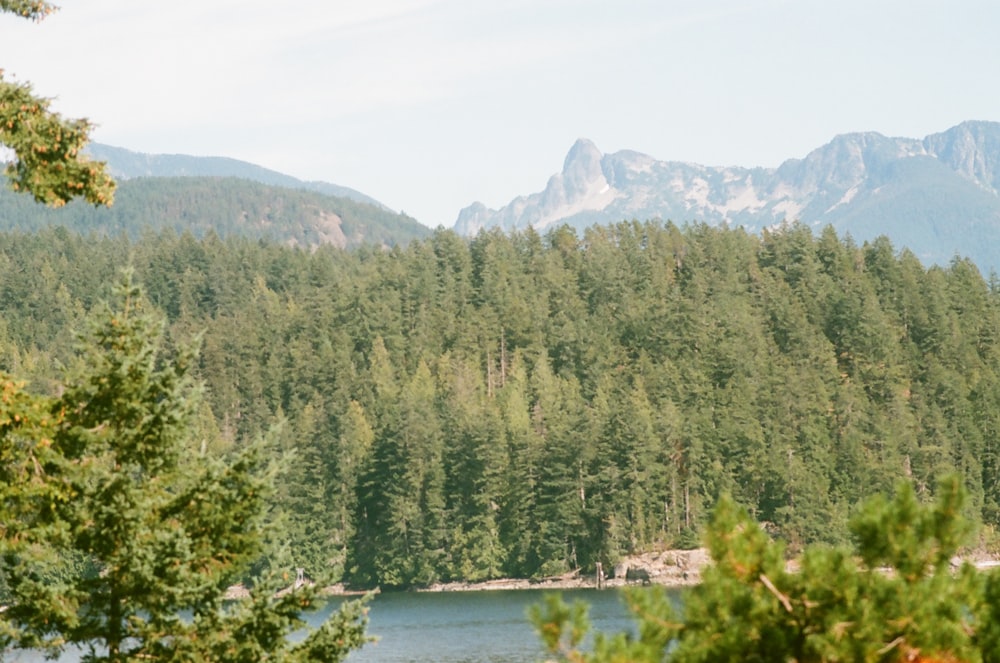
(227,206)
(126,164)
(937,196)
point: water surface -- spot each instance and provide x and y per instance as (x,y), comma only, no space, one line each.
(470,627)
(449,627)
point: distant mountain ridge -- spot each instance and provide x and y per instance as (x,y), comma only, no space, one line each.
(125,164)
(202,195)
(937,196)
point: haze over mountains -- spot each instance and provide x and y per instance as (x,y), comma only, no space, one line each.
(225,196)
(937,196)
(126,164)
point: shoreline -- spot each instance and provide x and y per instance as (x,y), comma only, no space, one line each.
(238,592)
(671,568)
(516,584)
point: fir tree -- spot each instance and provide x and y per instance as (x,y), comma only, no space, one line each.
(116,522)
(894,598)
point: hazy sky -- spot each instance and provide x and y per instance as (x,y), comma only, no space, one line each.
(429,105)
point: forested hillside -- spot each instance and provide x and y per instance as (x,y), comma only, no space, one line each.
(226,206)
(126,165)
(522,405)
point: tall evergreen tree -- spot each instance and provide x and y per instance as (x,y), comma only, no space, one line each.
(836,608)
(106,473)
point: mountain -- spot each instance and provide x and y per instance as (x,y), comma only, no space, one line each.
(937,196)
(126,164)
(216,194)
(227,206)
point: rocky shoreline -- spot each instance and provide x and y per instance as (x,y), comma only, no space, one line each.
(670,568)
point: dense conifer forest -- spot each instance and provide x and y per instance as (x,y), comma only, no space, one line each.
(224,205)
(521,405)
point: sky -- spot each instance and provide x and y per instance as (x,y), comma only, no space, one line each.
(430,105)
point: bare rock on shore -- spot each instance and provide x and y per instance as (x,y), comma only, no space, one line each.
(667,567)
(670,568)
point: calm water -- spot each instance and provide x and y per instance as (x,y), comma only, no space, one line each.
(470,627)
(452,627)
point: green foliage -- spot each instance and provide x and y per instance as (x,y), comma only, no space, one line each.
(33,9)
(225,206)
(561,627)
(48,162)
(106,472)
(257,628)
(894,598)
(530,405)
(564,628)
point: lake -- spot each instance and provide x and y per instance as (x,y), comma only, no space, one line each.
(470,627)
(452,627)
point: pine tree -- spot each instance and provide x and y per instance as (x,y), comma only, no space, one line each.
(836,608)
(116,523)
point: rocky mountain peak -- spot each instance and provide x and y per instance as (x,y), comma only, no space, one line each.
(472,218)
(582,173)
(582,155)
(972,149)
(917,191)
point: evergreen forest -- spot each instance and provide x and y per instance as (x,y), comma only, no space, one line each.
(225,205)
(524,405)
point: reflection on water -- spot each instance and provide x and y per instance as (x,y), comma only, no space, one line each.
(449,627)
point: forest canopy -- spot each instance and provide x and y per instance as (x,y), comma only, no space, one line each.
(119,536)
(839,604)
(523,405)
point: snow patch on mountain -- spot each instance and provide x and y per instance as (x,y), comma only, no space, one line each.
(857,182)
(742,199)
(592,201)
(787,209)
(846,198)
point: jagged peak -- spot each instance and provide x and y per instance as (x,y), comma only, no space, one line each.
(854,179)
(477,206)
(971,149)
(860,138)
(970,129)
(975,125)
(583,151)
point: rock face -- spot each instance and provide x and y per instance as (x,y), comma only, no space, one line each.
(582,187)
(937,196)
(670,567)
